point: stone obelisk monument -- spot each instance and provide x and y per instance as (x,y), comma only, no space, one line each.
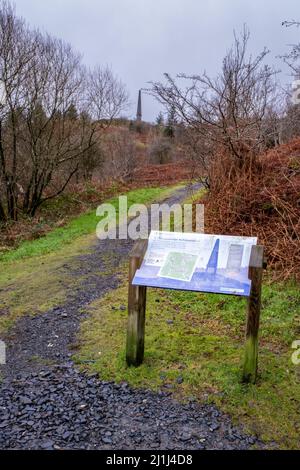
(139,108)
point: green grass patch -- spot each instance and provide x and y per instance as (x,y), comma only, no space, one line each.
(34,285)
(79,226)
(39,274)
(196,196)
(199,339)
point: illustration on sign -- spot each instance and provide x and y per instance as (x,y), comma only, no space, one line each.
(197,262)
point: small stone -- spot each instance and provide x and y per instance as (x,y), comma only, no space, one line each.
(214,427)
(106,440)
(82,406)
(45,373)
(25,400)
(47,445)
(185,437)
(168,386)
(154,445)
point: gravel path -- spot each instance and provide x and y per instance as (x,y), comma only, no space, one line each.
(47,404)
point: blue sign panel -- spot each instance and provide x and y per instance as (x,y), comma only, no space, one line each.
(197,262)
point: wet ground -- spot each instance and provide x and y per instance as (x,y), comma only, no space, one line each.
(46,403)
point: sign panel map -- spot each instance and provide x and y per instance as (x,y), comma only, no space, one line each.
(197,262)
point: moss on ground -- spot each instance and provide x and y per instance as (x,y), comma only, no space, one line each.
(194,342)
(84,224)
(38,275)
(194,345)
(34,285)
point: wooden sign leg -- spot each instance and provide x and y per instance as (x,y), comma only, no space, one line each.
(253,314)
(136,308)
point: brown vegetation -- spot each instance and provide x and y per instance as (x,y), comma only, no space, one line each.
(163,174)
(55,213)
(230,122)
(261,200)
(62,138)
(86,196)
(52,112)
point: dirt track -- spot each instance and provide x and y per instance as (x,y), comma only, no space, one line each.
(47,404)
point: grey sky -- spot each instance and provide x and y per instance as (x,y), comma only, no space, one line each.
(142,39)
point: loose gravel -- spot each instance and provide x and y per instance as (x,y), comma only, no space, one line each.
(46,403)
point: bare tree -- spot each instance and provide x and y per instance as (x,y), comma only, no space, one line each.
(107,95)
(17,49)
(225,113)
(120,154)
(290,122)
(160,151)
(105,99)
(289,23)
(52,115)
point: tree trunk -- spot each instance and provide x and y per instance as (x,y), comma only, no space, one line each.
(11,199)
(2,213)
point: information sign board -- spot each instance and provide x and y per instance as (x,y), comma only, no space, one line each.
(197,262)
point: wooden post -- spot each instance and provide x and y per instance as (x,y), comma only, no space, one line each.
(136,308)
(253,311)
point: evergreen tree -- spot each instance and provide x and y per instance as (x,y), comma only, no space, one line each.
(71,112)
(160,119)
(169,130)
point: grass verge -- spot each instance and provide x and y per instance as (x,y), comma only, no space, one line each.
(38,274)
(78,226)
(194,346)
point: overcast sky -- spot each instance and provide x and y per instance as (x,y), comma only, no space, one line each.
(142,39)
